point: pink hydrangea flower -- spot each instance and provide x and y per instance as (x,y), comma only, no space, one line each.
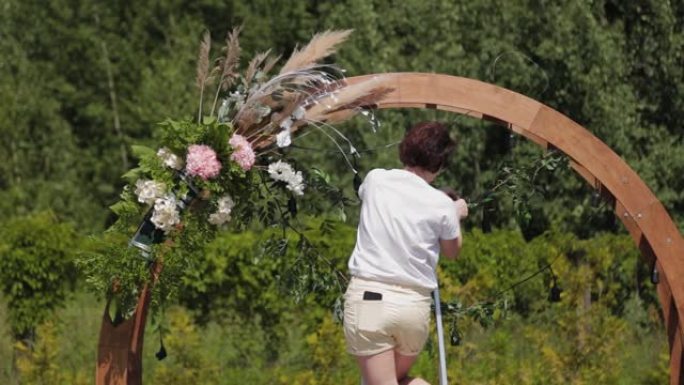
(202,162)
(243,153)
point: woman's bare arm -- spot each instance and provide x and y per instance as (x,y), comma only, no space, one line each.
(451,248)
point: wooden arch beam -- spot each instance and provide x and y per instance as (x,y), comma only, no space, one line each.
(646,219)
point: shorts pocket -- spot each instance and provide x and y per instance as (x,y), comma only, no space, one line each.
(370,315)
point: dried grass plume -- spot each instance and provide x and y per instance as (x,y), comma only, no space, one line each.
(203,69)
(254,65)
(230,62)
(203,60)
(349,97)
(321,45)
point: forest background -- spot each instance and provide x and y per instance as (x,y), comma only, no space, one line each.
(81,81)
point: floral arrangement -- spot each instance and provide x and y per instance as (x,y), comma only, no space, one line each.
(226,168)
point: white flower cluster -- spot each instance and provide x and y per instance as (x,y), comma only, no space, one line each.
(222,214)
(166,215)
(284,137)
(282,171)
(148,191)
(170,159)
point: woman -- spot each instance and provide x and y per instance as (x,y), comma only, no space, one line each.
(404,225)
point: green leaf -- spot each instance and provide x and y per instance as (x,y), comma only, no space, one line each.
(132,175)
(340,214)
(140,151)
(123,208)
(321,174)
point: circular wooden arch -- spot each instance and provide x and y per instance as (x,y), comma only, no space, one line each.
(119,358)
(634,203)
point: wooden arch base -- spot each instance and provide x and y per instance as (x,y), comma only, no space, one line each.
(120,348)
(119,352)
(649,224)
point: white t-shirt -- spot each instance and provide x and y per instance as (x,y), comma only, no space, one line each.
(402,220)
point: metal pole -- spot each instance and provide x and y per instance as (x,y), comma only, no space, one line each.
(440,339)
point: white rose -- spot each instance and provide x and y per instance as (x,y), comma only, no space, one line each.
(165,215)
(148,190)
(282,171)
(170,159)
(218,219)
(297,189)
(295,183)
(222,214)
(225,203)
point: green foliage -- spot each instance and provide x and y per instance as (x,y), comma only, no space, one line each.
(537,342)
(566,342)
(328,361)
(36,268)
(113,270)
(39,364)
(187,364)
(257,275)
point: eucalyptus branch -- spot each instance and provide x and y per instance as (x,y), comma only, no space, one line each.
(475,202)
(275,199)
(320,256)
(527,173)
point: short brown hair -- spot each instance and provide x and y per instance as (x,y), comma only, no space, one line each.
(426,145)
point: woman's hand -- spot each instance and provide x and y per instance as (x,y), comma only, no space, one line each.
(461,204)
(461,208)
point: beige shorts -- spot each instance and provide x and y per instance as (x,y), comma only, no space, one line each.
(398,321)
